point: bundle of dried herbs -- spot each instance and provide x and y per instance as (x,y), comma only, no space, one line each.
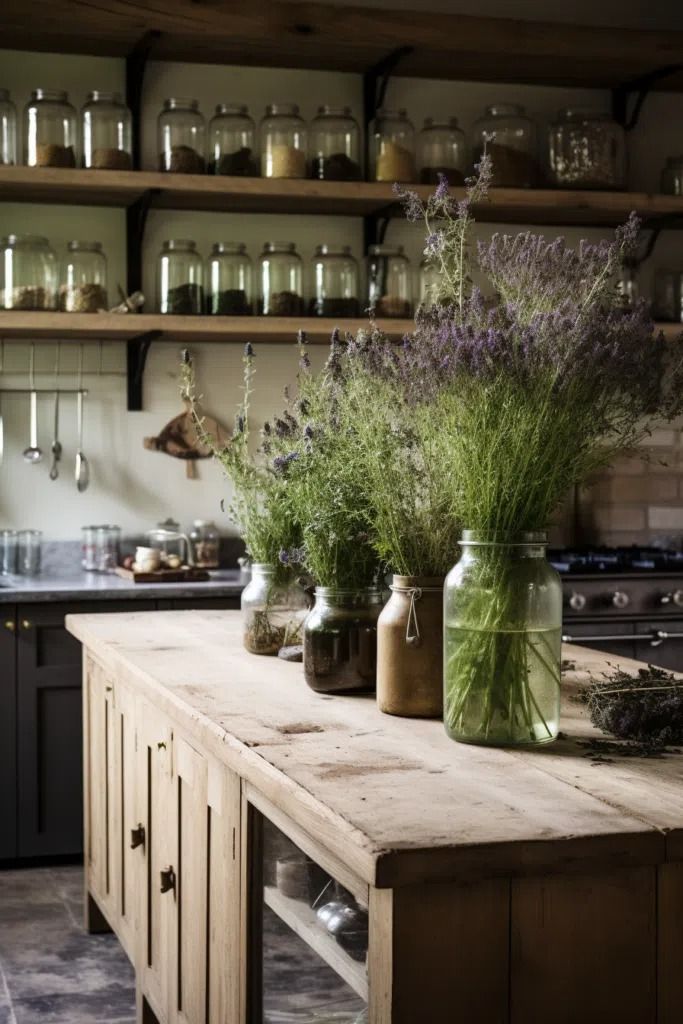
(646,709)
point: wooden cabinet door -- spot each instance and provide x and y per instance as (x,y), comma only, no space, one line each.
(100,786)
(128,831)
(8,732)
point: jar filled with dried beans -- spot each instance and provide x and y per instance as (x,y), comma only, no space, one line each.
(182,137)
(180,278)
(334,145)
(335,283)
(283,142)
(107,132)
(232,142)
(230,280)
(513,151)
(280,280)
(441,149)
(50,130)
(83,287)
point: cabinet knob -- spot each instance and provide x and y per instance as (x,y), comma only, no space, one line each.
(11,625)
(676,597)
(167,879)
(577,601)
(137,836)
(620,599)
(25,624)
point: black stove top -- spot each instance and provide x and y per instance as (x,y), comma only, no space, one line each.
(608,561)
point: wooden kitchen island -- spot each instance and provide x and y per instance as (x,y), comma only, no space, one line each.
(502,887)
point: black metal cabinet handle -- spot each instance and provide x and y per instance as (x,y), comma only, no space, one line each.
(167,879)
(589,639)
(137,837)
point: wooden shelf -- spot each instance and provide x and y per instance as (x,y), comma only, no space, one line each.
(348,38)
(336,198)
(303,922)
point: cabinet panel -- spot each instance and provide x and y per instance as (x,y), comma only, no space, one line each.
(100,775)
(8,748)
(128,837)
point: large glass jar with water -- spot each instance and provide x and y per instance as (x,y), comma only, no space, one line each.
(232,142)
(50,130)
(513,151)
(502,638)
(182,137)
(334,145)
(83,288)
(273,610)
(107,133)
(180,278)
(230,280)
(281,286)
(28,273)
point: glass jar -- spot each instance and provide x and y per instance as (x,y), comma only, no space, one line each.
(668,298)
(230,280)
(672,176)
(50,130)
(273,611)
(389,286)
(587,149)
(281,286)
(335,277)
(392,150)
(340,640)
(180,278)
(283,142)
(334,145)
(107,132)
(206,543)
(107,548)
(89,548)
(8,129)
(232,142)
(29,544)
(441,149)
(502,638)
(28,273)
(173,545)
(429,279)
(628,290)
(8,552)
(84,279)
(513,152)
(181,133)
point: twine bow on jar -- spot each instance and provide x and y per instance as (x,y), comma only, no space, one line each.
(413,635)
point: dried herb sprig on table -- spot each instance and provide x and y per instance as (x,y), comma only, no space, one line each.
(646,709)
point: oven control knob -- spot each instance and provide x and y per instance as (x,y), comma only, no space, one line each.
(577,602)
(673,598)
(620,599)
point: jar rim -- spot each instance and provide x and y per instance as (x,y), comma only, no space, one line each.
(25,240)
(583,114)
(385,250)
(178,243)
(506,110)
(333,250)
(448,122)
(327,110)
(228,247)
(264,568)
(232,108)
(181,103)
(279,246)
(282,109)
(100,96)
(53,95)
(483,538)
(370,591)
(80,246)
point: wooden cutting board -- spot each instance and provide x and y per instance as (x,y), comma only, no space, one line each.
(185,574)
(179,438)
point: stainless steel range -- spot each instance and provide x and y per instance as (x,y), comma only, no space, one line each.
(626,601)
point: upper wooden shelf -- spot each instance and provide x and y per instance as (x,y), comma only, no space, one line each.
(335,198)
(347,38)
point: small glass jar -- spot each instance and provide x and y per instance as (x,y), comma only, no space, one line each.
(206,544)
(335,283)
(230,280)
(502,639)
(587,149)
(8,129)
(340,640)
(107,548)
(513,152)
(392,149)
(89,548)
(429,278)
(283,142)
(173,545)
(281,287)
(389,285)
(232,142)
(334,145)
(84,279)
(29,545)
(668,296)
(273,612)
(672,176)
(28,273)
(180,278)
(107,127)
(50,138)
(8,552)
(628,289)
(181,132)
(441,149)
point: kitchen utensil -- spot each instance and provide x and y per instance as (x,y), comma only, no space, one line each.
(2,436)
(56,447)
(82,468)
(179,439)
(33,453)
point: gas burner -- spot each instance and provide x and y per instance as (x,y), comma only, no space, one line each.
(575,561)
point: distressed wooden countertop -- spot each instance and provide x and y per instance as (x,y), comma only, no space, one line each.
(395,798)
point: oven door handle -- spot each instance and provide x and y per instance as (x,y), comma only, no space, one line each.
(654,638)
(661,635)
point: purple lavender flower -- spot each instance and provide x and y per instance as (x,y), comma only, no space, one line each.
(239,423)
(442,188)
(249,350)
(305,362)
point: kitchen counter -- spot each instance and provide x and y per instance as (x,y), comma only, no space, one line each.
(60,584)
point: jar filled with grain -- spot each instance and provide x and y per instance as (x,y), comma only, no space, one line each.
(441,149)
(587,149)
(281,287)
(335,282)
(672,176)
(334,145)
(180,278)
(392,148)
(232,142)
(83,287)
(389,281)
(513,152)
(50,130)
(8,129)
(182,137)
(28,273)
(107,132)
(230,280)
(283,142)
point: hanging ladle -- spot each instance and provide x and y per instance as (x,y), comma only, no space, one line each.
(33,453)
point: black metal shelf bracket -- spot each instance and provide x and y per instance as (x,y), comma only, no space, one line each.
(136,63)
(136,219)
(642,86)
(137,350)
(655,225)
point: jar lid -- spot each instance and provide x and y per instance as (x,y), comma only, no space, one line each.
(279,247)
(332,250)
(178,245)
(506,110)
(180,103)
(50,95)
(450,122)
(282,110)
(228,247)
(97,96)
(583,114)
(327,111)
(388,112)
(10,240)
(238,109)
(77,246)
(385,250)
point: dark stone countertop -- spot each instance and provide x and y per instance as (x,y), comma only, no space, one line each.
(74,584)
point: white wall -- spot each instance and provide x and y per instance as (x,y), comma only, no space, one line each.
(134,487)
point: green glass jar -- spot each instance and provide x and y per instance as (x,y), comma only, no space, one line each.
(502,638)
(340,640)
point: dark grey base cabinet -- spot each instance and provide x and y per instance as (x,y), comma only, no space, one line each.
(41,780)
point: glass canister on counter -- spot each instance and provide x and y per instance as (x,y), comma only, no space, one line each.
(273,611)
(672,176)
(283,142)
(587,149)
(335,283)
(392,147)
(441,149)
(513,152)
(83,288)
(180,278)
(232,142)
(50,130)
(230,281)
(334,145)
(281,287)
(389,284)
(29,548)
(107,132)
(28,273)
(8,552)
(206,544)
(100,548)
(8,129)
(182,137)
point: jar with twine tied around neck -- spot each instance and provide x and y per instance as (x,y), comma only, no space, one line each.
(409,648)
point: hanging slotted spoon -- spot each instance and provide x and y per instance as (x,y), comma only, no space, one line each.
(82,468)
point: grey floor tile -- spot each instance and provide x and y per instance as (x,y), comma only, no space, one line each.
(76,1008)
